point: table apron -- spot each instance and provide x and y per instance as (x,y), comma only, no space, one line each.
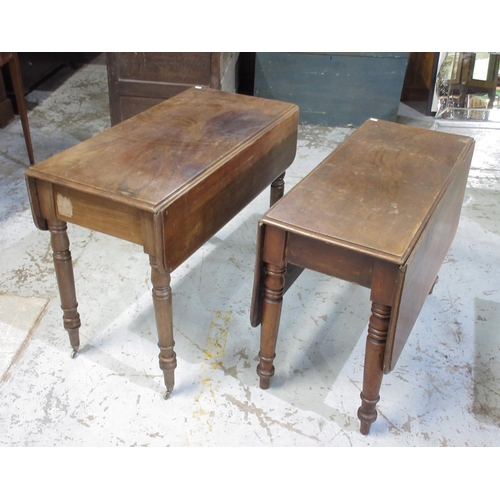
(97,213)
(326,258)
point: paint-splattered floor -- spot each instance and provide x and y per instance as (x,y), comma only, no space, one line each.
(444,391)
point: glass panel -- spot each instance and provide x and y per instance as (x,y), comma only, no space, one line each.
(481,64)
(467,86)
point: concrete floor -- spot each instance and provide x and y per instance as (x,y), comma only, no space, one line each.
(444,391)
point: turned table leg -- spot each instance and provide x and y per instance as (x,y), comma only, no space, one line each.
(65,280)
(374,359)
(162,300)
(277,189)
(274,284)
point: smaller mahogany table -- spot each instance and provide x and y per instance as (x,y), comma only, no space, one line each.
(380,211)
(167,179)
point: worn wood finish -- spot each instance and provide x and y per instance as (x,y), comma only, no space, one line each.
(376,342)
(65,280)
(139,80)
(167,179)
(380,211)
(274,288)
(419,273)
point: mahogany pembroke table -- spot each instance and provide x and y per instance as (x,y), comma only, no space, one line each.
(380,211)
(167,179)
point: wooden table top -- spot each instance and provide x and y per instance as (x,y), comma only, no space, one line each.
(376,191)
(153,158)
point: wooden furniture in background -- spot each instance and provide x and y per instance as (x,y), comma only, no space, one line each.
(11,60)
(167,179)
(420,78)
(139,80)
(6,109)
(463,81)
(380,211)
(334,89)
(36,67)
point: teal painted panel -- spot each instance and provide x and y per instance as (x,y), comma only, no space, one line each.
(334,89)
